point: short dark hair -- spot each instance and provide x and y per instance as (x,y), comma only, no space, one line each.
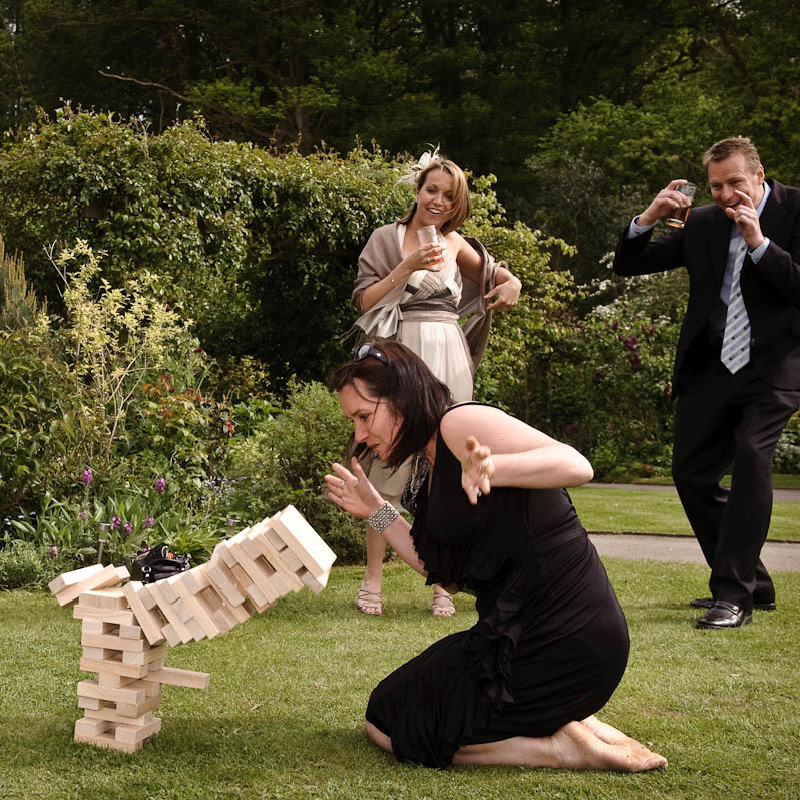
(725,148)
(408,386)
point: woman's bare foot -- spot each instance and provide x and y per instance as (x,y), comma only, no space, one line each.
(610,734)
(603,747)
(574,746)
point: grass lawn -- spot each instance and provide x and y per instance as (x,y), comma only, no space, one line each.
(283,717)
(648,511)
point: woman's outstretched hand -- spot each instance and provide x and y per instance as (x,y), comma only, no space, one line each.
(477,469)
(352,491)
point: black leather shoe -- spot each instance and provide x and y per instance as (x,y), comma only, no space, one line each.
(708,602)
(723,615)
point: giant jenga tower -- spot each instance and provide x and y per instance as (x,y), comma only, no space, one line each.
(126,625)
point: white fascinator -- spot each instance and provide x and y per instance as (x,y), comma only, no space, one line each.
(414,170)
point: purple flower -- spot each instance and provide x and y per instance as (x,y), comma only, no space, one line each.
(115,522)
(571,428)
(128,528)
(87,476)
(149,522)
(161,484)
(634,359)
(53,551)
(82,514)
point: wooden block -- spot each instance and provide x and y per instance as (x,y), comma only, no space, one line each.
(111,666)
(259,540)
(132,694)
(107,681)
(303,541)
(98,653)
(107,740)
(193,601)
(107,576)
(291,560)
(171,635)
(87,599)
(243,612)
(259,571)
(182,610)
(315,584)
(149,620)
(180,677)
(111,715)
(104,615)
(167,592)
(110,598)
(166,609)
(98,627)
(145,657)
(91,727)
(148,601)
(91,702)
(133,736)
(131,632)
(114,642)
(223,581)
(67,579)
(136,710)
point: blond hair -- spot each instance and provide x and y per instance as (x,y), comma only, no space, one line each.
(462,203)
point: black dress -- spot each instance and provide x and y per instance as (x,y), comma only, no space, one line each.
(551,642)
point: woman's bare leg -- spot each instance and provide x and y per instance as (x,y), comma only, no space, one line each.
(369,595)
(574,746)
(379,738)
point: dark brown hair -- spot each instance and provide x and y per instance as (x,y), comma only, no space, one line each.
(462,202)
(412,391)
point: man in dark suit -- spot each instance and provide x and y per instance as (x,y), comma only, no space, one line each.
(737,365)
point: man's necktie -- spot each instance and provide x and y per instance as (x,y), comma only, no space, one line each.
(736,341)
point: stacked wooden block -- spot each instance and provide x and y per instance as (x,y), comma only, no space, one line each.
(125,628)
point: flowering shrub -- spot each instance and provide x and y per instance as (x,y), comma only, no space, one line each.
(606,389)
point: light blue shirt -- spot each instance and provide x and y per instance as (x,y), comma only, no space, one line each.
(733,248)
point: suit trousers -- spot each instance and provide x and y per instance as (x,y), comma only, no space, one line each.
(730,422)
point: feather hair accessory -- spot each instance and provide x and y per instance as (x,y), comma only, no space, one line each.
(413,171)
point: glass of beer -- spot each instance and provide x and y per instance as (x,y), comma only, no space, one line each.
(429,235)
(678,217)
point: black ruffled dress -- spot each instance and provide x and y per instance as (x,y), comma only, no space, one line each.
(551,642)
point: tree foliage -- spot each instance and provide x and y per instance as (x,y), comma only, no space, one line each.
(258,248)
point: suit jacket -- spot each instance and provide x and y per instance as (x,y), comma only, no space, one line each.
(770,289)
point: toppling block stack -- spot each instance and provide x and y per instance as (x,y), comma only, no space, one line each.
(127,625)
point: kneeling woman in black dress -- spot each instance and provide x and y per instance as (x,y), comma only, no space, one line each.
(491,518)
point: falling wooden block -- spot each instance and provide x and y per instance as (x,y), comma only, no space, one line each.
(106,576)
(306,544)
(67,579)
(149,620)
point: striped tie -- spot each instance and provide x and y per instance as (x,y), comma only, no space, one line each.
(736,341)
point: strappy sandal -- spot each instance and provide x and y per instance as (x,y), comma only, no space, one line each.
(369,602)
(442,605)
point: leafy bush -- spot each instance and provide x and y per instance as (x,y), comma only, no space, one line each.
(285,463)
(606,387)
(23,565)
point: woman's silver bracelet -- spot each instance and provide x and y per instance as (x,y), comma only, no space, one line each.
(381,519)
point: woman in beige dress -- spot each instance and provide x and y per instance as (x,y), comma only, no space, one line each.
(418,293)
